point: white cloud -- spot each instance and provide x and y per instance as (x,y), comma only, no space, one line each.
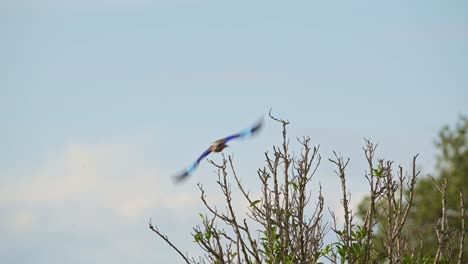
(21,220)
(87,185)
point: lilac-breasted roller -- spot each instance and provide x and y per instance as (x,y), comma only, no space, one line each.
(218,146)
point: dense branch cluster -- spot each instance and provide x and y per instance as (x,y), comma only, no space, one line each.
(289,234)
(283,226)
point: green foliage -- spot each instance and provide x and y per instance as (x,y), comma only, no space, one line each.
(354,250)
(452,164)
(378,172)
(407,259)
(207,233)
(271,245)
(197,236)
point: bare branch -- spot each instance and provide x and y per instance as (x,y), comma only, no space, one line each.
(463,231)
(165,238)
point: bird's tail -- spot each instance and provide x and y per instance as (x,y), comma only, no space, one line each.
(190,169)
(180,177)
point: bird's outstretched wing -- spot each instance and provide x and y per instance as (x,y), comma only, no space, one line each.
(190,169)
(246,132)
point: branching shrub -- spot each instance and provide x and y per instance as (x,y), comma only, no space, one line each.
(283,226)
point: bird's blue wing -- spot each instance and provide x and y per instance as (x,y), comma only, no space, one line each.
(190,169)
(246,132)
(203,155)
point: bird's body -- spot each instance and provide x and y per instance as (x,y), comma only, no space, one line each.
(217,146)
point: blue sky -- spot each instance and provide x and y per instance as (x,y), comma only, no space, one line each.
(102,101)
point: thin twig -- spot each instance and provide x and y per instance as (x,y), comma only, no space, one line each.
(462,235)
(165,238)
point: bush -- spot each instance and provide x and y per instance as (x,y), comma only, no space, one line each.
(283,227)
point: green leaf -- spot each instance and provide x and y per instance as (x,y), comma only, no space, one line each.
(208,235)
(338,232)
(254,203)
(362,232)
(198,236)
(326,250)
(378,172)
(294,185)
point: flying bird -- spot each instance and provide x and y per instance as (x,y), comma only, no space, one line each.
(218,146)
